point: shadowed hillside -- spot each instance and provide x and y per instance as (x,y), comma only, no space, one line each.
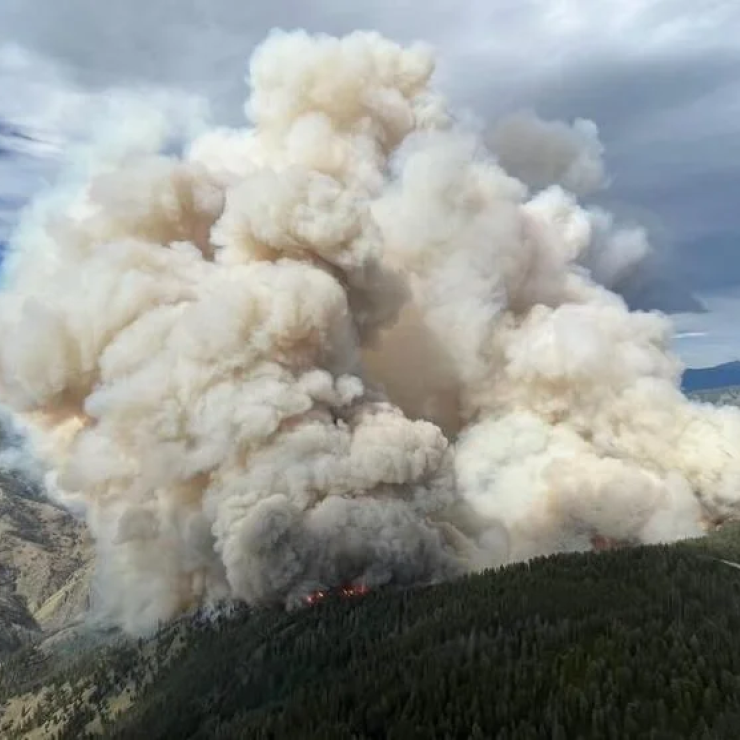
(630,643)
(711,378)
(627,643)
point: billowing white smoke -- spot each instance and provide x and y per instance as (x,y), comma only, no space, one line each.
(345,344)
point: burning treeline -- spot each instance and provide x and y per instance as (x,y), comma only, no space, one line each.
(355,342)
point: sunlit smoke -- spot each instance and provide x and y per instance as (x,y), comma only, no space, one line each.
(354,342)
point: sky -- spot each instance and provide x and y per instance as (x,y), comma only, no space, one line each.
(660,78)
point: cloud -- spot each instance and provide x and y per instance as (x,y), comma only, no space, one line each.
(579,59)
(709,338)
(45,116)
(658,78)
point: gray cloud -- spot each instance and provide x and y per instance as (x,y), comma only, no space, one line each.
(658,78)
(626,94)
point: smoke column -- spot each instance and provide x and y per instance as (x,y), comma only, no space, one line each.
(355,341)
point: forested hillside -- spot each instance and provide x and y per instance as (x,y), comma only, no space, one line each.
(634,643)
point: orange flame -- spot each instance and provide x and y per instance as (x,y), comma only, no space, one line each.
(315,597)
(348,591)
(359,590)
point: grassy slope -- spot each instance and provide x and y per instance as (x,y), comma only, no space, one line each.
(43,557)
(613,645)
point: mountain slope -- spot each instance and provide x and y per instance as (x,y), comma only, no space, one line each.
(617,644)
(705,378)
(45,563)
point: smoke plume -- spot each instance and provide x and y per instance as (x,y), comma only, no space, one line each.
(355,341)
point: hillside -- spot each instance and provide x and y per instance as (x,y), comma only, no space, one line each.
(594,645)
(711,378)
(45,564)
(589,645)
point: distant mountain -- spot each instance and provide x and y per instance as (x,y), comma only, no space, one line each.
(719,376)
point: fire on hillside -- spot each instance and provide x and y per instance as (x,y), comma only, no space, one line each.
(346,591)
